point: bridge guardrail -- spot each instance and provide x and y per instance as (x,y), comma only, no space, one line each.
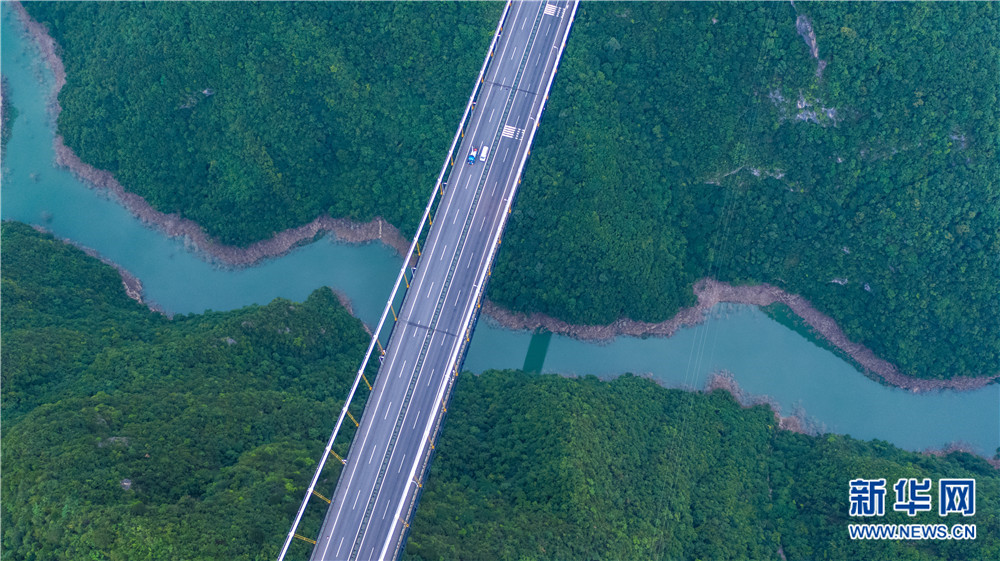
(445,392)
(402,272)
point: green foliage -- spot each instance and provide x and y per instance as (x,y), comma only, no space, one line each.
(544,467)
(684,141)
(681,141)
(343,108)
(214,423)
(216,420)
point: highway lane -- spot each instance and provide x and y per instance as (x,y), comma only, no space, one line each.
(367,516)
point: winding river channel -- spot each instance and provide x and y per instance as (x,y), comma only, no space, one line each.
(763,356)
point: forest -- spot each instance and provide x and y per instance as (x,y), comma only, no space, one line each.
(844,152)
(253,117)
(131,436)
(547,467)
(683,141)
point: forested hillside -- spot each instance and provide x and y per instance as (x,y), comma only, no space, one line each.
(844,152)
(544,467)
(253,117)
(128,436)
(691,140)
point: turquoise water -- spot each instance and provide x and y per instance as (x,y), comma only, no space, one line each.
(174,277)
(768,359)
(765,357)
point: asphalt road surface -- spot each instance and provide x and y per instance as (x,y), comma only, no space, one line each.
(374,495)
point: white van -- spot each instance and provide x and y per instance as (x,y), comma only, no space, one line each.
(485,151)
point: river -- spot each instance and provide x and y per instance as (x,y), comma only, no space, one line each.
(765,357)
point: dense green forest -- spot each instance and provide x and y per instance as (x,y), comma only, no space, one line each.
(128,436)
(253,117)
(684,141)
(681,141)
(545,467)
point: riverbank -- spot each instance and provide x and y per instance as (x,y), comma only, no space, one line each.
(131,283)
(173,225)
(796,422)
(709,292)
(800,422)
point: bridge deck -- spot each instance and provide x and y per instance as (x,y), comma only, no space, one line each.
(374,499)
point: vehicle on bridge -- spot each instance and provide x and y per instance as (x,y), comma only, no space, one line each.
(472,156)
(483,153)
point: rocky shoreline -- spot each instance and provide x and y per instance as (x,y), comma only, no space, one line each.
(796,422)
(709,291)
(800,422)
(174,225)
(132,284)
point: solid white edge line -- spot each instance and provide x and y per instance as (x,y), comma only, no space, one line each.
(399,277)
(479,285)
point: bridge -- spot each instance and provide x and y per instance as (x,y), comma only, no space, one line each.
(461,229)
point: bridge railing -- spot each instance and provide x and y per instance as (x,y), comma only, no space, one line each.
(419,469)
(449,161)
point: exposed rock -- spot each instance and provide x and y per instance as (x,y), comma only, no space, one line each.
(797,422)
(114,441)
(711,292)
(809,116)
(958,446)
(805,29)
(963,142)
(175,226)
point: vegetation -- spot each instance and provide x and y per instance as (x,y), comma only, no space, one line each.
(845,152)
(684,141)
(128,436)
(251,118)
(544,467)
(784,315)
